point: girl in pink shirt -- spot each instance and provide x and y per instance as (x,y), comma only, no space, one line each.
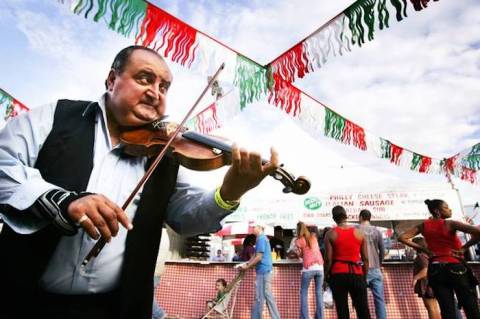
(312,270)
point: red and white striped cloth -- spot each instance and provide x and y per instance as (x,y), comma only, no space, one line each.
(185,287)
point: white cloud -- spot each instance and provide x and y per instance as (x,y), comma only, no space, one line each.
(76,51)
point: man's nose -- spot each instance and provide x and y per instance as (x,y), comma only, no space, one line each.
(154,92)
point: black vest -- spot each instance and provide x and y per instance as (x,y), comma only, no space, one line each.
(66,160)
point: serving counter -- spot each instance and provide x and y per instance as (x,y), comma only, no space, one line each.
(186,285)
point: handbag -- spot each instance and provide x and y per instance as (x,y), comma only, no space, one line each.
(328,298)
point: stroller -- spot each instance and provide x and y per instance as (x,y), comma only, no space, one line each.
(223,309)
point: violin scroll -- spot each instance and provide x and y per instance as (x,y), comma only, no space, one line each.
(300,185)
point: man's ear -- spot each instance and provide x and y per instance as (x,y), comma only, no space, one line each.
(110,79)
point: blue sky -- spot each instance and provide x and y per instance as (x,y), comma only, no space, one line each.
(417,83)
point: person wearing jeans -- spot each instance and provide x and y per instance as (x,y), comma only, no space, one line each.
(376,251)
(309,250)
(263,282)
(263,292)
(307,277)
(375,283)
(157,311)
(448,274)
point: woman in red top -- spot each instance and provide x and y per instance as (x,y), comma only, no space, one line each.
(447,273)
(344,270)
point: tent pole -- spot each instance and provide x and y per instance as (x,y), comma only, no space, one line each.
(467,236)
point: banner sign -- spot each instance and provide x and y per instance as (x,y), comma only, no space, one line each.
(317,208)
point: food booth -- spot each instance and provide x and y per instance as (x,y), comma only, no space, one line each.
(185,285)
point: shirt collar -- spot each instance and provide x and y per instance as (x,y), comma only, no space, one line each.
(98,107)
(102,106)
(94,106)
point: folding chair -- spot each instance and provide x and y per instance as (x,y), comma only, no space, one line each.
(225,306)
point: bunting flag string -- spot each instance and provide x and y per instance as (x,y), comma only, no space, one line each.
(465,164)
(184,44)
(217,114)
(468,175)
(251,79)
(177,41)
(11,107)
(285,96)
(352,27)
(420,163)
(177,37)
(470,158)
(396,152)
(453,166)
(211,118)
(386,149)
(320,121)
(344,130)
(190,47)
(125,17)
(206,121)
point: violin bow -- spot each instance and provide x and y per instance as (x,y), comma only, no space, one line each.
(101,242)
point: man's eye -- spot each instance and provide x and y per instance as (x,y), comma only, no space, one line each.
(144,79)
(164,85)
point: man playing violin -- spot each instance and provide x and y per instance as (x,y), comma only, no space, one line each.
(62,177)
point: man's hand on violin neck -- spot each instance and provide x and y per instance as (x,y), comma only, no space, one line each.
(102,216)
(246,172)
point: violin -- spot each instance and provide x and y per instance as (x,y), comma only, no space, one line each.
(196,151)
(159,138)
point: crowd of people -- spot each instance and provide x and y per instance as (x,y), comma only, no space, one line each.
(348,260)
